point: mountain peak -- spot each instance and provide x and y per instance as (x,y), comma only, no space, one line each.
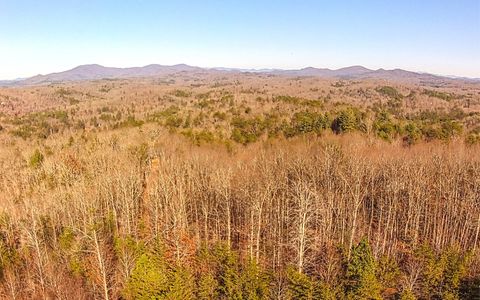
(356,68)
(89,66)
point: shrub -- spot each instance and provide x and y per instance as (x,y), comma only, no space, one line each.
(203,104)
(45,129)
(388,273)
(199,119)
(182,284)
(443,131)
(94,122)
(207,287)
(164,114)
(36,160)
(203,96)
(473,137)
(271,123)
(288,99)
(106,117)
(24,131)
(66,239)
(450,129)
(62,92)
(221,116)
(412,134)
(79,125)
(181,93)
(174,121)
(407,294)
(456,267)
(61,115)
(130,122)
(338,84)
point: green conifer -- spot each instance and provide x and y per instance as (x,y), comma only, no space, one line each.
(362,282)
(182,285)
(255,282)
(300,286)
(149,278)
(229,278)
(207,287)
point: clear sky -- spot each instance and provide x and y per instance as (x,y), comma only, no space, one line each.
(436,36)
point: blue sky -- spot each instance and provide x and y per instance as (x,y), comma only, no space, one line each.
(441,37)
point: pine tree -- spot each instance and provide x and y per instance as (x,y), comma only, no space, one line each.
(206,278)
(456,266)
(323,291)
(255,282)
(348,120)
(300,286)
(388,274)
(182,285)
(362,282)
(442,272)
(228,277)
(432,270)
(207,287)
(149,278)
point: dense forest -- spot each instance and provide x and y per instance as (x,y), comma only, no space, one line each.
(194,194)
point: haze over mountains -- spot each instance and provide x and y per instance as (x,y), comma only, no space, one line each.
(96,72)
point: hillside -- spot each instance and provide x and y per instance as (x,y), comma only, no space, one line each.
(195,184)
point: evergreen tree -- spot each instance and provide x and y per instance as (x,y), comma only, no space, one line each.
(362,282)
(388,274)
(442,273)
(149,278)
(348,120)
(182,285)
(300,286)
(255,282)
(383,126)
(207,287)
(206,277)
(324,292)
(432,270)
(228,276)
(456,266)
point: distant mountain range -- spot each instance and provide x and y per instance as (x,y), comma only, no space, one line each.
(96,72)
